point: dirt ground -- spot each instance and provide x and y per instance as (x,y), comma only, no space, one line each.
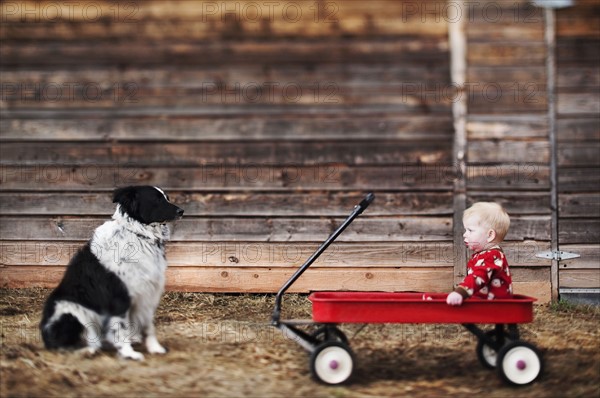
(222,346)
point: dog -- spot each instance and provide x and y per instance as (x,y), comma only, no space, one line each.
(113,285)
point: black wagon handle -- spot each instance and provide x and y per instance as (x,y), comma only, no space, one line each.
(358,209)
(366,202)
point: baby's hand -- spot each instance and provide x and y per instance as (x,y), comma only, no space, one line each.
(454,298)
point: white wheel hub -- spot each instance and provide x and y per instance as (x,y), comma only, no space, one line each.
(521,365)
(333,365)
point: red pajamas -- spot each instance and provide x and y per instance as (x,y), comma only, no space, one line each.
(488,276)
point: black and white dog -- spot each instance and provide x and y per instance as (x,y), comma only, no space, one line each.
(113,285)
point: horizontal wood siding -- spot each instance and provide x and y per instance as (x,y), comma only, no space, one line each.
(578,134)
(267,122)
(266,131)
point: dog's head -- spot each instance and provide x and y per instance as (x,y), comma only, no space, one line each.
(146,204)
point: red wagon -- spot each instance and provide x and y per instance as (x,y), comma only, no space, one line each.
(332,361)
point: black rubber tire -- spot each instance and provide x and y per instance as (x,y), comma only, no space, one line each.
(335,335)
(484,351)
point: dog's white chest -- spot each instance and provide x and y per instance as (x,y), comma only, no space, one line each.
(137,259)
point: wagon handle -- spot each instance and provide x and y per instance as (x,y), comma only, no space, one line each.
(366,202)
(358,209)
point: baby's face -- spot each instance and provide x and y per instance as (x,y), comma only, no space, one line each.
(477,237)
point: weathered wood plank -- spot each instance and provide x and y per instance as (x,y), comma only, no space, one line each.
(513,177)
(578,179)
(577,51)
(501,102)
(505,151)
(266,229)
(250,177)
(236,229)
(216,29)
(529,101)
(406,97)
(534,282)
(582,77)
(578,154)
(580,278)
(183,10)
(218,20)
(505,28)
(515,203)
(262,229)
(259,154)
(541,290)
(421,51)
(166,76)
(533,228)
(259,280)
(246,110)
(527,274)
(513,78)
(582,205)
(279,254)
(582,20)
(582,103)
(506,54)
(578,129)
(519,12)
(578,230)
(256,254)
(590,254)
(234,204)
(410,127)
(509,127)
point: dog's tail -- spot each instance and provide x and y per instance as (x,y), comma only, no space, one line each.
(65,332)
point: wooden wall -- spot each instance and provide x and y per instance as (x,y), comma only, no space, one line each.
(268,123)
(266,130)
(578,136)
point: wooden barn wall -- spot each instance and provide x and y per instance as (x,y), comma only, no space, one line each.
(266,123)
(578,143)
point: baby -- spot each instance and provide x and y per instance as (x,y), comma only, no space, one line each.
(488,276)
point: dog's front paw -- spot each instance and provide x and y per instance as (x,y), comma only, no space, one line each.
(154,347)
(88,352)
(130,353)
(136,356)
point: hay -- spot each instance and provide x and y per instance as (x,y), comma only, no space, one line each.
(221,345)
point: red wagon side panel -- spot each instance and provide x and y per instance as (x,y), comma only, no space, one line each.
(380,307)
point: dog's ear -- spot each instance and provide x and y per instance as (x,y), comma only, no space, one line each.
(127,197)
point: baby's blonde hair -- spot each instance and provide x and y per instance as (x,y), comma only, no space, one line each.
(491,215)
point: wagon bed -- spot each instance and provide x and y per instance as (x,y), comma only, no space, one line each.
(381,307)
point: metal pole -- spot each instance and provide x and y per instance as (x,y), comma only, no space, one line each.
(458,70)
(550,38)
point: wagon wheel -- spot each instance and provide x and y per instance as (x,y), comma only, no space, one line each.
(329,333)
(488,354)
(519,363)
(332,362)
